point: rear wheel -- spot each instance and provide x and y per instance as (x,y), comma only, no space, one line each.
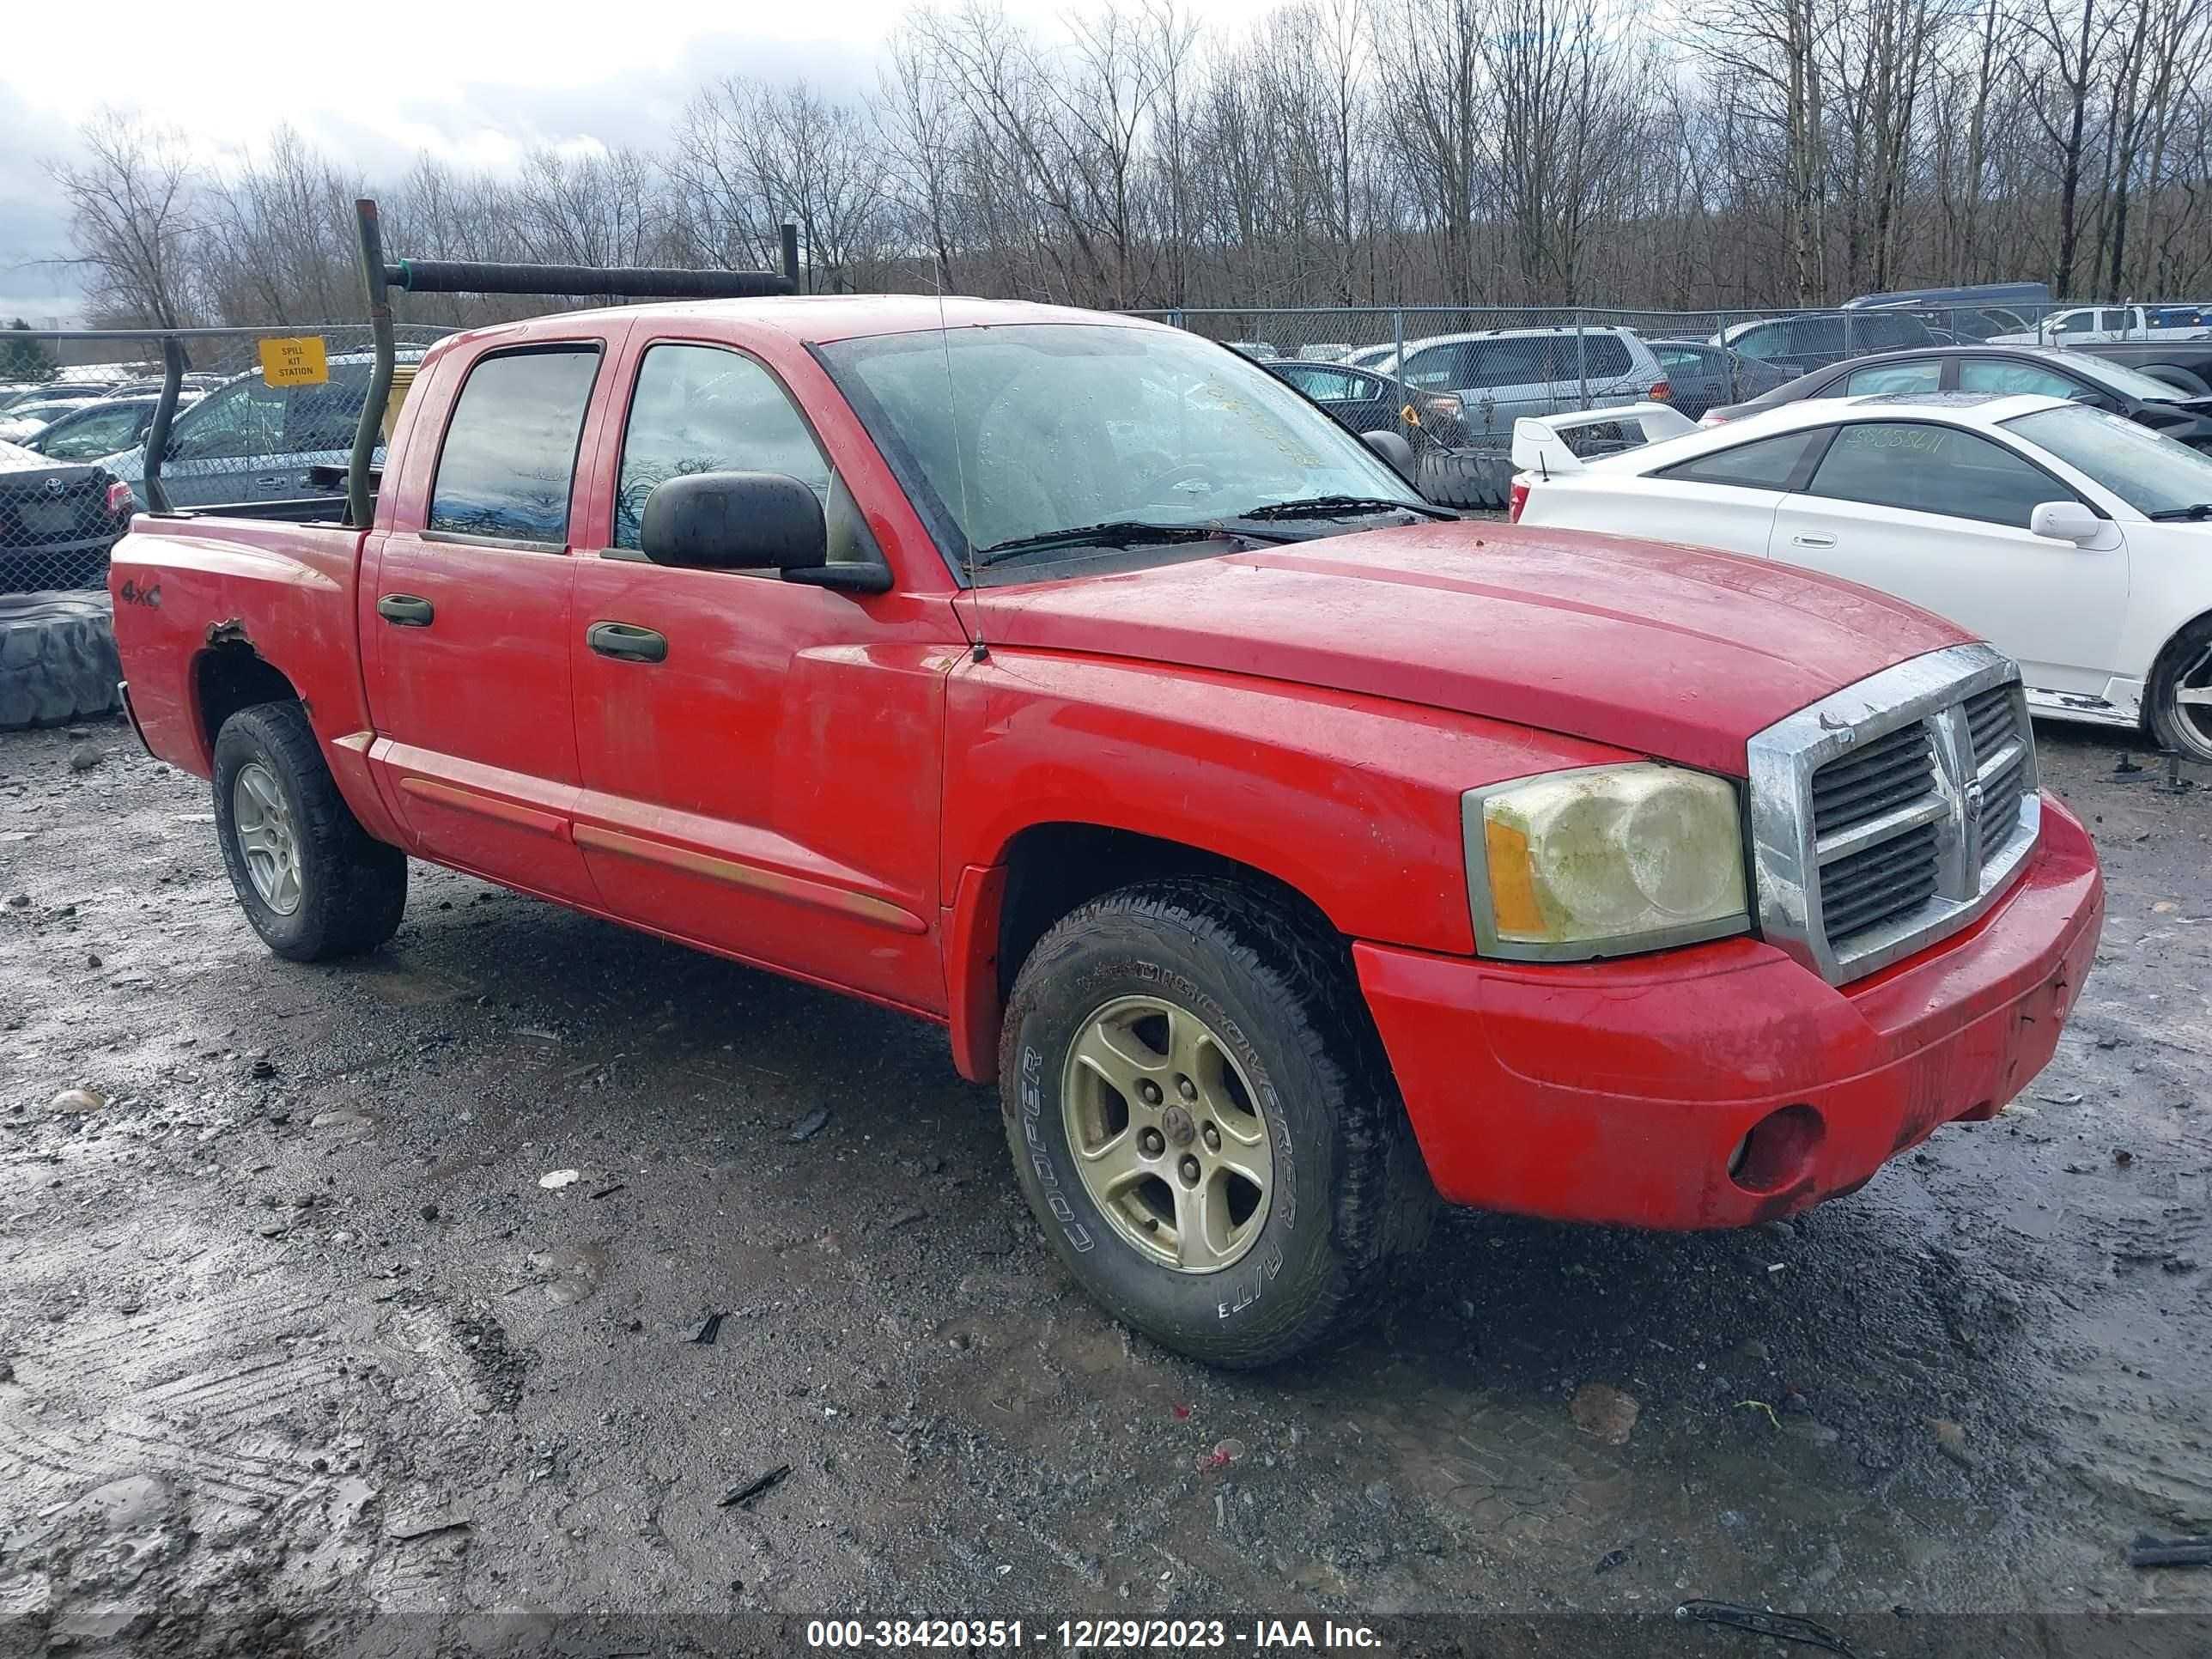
(2178,699)
(1202,1120)
(309,878)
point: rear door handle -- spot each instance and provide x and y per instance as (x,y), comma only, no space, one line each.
(269,483)
(626,643)
(1813,541)
(405,610)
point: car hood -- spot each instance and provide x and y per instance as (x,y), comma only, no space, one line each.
(1667,651)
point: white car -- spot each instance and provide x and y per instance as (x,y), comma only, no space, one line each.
(2076,541)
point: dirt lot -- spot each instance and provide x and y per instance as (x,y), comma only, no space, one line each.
(299,1349)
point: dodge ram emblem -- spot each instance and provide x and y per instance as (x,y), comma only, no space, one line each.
(1972,804)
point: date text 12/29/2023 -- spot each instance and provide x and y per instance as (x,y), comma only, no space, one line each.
(1091,1635)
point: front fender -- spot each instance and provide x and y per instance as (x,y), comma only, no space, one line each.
(1353,801)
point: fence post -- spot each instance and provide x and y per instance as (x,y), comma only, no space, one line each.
(1847,336)
(1581,358)
(165,410)
(1398,361)
(791,254)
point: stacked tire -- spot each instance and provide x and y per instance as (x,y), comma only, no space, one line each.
(58,660)
(1464,477)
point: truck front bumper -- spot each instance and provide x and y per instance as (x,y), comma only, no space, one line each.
(1725,1084)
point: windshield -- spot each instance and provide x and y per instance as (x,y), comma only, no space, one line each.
(2119,378)
(1004,433)
(2149,472)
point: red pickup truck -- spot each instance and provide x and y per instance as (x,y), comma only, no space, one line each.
(1292,853)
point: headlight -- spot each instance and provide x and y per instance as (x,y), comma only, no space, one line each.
(1604,860)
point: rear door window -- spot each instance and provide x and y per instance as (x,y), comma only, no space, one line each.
(245,418)
(1438,369)
(510,454)
(325,417)
(1894,377)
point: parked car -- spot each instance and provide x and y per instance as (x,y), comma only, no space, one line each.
(2074,540)
(104,428)
(248,440)
(970,671)
(1259,351)
(1361,401)
(1700,376)
(1326,352)
(57,520)
(2043,370)
(2183,364)
(1799,344)
(2083,324)
(29,416)
(1375,356)
(1500,374)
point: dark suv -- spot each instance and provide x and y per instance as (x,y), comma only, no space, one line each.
(1801,344)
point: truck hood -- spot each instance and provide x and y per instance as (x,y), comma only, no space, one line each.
(1671,652)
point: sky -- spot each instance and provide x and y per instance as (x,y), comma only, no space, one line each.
(477,81)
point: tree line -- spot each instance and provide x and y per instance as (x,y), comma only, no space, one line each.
(1745,154)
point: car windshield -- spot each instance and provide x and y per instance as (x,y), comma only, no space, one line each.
(2149,472)
(2118,377)
(1002,434)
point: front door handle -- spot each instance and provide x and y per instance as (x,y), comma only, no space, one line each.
(627,641)
(405,611)
(1813,541)
(269,483)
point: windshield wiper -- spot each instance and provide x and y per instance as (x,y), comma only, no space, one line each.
(1341,507)
(1116,532)
(2195,513)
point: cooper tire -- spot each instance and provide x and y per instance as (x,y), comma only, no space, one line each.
(347,891)
(58,658)
(1348,1193)
(2183,668)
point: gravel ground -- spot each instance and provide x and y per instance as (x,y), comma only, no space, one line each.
(308,1341)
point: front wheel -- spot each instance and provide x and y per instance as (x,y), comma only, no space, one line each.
(2178,699)
(1203,1123)
(311,880)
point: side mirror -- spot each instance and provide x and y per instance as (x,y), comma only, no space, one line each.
(2066,521)
(1392,448)
(748,521)
(733,521)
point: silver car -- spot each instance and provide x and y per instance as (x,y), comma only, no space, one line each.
(1501,374)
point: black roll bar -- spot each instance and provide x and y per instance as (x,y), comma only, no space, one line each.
(480,276)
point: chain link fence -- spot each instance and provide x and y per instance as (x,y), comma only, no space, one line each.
(1452,381)
(256,416)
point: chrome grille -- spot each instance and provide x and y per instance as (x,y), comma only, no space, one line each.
(1889,880)
(1895,811)
(1888,773)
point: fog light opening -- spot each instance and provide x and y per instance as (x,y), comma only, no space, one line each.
(1778,1152)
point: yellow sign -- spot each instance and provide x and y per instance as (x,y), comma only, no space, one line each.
(298,361)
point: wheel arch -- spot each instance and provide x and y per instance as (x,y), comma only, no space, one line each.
(1043,871)
(229,675)
(2161,660)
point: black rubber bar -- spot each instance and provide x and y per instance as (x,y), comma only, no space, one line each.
(622,281)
